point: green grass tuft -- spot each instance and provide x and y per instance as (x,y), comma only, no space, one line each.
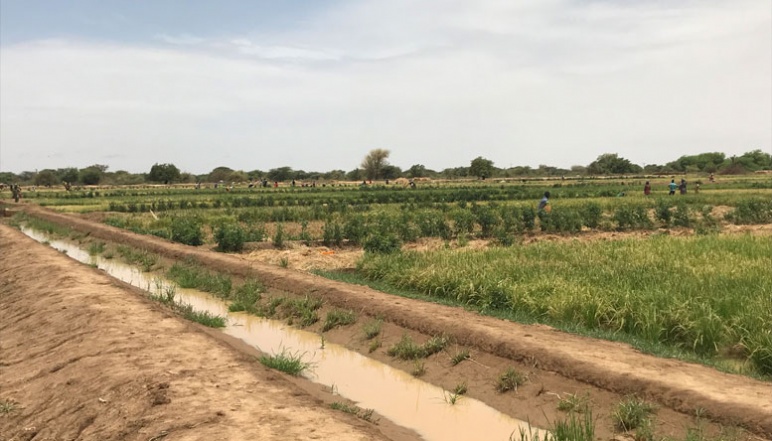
(287,362)
(338,317)
(510,380)
(631,413)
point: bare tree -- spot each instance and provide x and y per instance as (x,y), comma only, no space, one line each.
(374,163)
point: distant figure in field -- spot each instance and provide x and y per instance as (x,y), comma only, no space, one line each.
(275,184)
(293,182)
(697,188)
(647,188)
(411,183)
(672,186)
(712,179)
(16,192)
(544,204)
(682,186)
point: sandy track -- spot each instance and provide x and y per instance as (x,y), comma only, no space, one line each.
(616,367)
(88,359)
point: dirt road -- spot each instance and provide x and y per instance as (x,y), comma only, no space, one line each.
(85,358)
(730,399)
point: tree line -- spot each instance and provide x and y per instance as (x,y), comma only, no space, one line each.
(376,166)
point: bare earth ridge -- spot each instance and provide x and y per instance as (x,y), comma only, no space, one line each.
(88,359)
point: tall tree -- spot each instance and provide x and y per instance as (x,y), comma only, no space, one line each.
(374,163)
(611,163)
(481,167)
(165,173)
(46,178)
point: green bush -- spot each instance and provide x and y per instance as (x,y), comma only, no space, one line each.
(663,213)
(355,229)
(382,243)
(751,211)
(230,237)
(278,236)
(591,215)
(632,217)
(332,233)
(187,230)
(681,216)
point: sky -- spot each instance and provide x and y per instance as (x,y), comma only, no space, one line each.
(315,84)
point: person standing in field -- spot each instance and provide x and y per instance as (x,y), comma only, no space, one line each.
(544,204)
(682,186)
(647,188)
(16,191)
(672,186)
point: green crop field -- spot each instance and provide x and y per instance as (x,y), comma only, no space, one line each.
(706,295)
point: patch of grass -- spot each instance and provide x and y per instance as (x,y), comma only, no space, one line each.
(96,248)
(419,368)
(338,317)
(574,403)
(287,362)
(435,345)
(303,310)
(271,307)
(8,407)
(460,389)
(191,275)
(761,355)
(451,397)
(142,258)
(460,356)
(166,295)
(246,297)
(372,329)
(407,349)
(374,345)
(573,428)
(365,414)
(284,262)
(631,413)
(510,380)
(204,317)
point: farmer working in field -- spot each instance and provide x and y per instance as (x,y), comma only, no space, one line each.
(672,186)
(544,204)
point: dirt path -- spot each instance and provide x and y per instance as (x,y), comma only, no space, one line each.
(612,366)
(88,359)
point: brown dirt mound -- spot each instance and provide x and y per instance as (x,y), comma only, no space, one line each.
(87,359)
(612,366)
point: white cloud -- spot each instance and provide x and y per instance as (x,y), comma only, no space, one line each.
(437,82)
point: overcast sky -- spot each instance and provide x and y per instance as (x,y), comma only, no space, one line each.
(316,84)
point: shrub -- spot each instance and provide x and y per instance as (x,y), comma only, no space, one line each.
(681,216)
(631,217)
(355,229)
(631,413)
(510,380)
(591,215)
(278,236)
(230,237)
(382,243)
(187,230)
(663,213)
(332,233)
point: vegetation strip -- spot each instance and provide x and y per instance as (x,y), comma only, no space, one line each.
(506,340)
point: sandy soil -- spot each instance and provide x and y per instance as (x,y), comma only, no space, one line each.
(86,358)
(611,366)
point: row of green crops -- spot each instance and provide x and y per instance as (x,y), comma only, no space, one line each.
(410,222)
(703,293)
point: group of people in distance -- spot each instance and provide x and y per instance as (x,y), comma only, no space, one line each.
(544,203)
(672,187)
